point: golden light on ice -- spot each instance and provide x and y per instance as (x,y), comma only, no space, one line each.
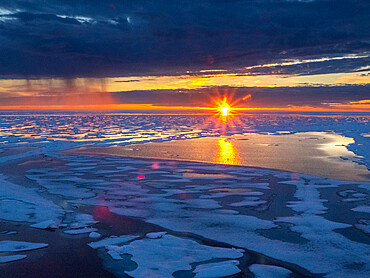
(226,152)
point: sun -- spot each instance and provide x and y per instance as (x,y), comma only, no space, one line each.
(225,110)
(223,107)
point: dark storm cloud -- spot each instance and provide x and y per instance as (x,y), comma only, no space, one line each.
(116,38)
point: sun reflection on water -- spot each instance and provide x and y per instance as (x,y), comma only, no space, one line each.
(226,152)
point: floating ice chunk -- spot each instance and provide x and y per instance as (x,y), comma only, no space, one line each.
(269,271)
(45,225)
(12,233)
(364,225)
(80,231)
(111,241)
(155,235)
(14,246)
(11,258)
(168,254)
(83,220)
(94,235)
(249,202)
(214,270)
(365,209)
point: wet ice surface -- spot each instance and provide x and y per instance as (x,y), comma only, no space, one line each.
(320,225)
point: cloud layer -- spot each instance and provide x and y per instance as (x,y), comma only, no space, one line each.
(120,38)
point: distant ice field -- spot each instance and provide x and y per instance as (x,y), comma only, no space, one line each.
(58,131)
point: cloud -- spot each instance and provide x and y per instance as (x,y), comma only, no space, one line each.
(120,38)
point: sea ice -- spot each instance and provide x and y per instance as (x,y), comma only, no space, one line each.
(94,235)
(45,224)
(168,254)
(155,235)
(216,270)
(11,258)
(80,231)
(83,220)
(365,209)
(18,203)
(14,246)
(269,271)
(111,241)
(248,202)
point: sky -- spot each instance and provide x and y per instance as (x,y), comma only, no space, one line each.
(138,55)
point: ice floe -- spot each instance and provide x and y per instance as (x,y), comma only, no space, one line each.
(80,231)
(111,241)
(269,271)
(155,235)
(45,225)
(94,235)
(365,209)
(15,246)
(11,258)
(161,257)
(215,270)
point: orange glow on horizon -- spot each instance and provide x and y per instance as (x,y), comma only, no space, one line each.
(207,110)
